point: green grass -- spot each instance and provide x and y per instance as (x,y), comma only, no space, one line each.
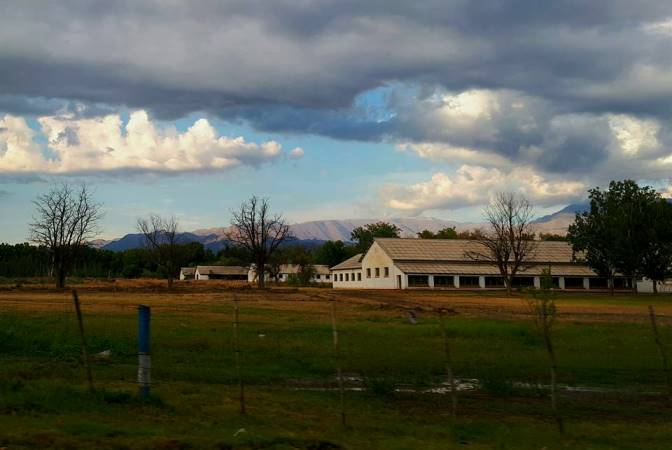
(44,402)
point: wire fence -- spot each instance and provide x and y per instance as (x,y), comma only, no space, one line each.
(314,342)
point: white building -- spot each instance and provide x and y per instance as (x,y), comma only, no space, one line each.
(322,273)
(395,263)
(220,273)
(645,285)
(187,273)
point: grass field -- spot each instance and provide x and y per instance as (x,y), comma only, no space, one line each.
(613,396)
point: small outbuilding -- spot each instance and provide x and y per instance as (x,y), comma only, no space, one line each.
(187,273)
(220,273)
(322,273)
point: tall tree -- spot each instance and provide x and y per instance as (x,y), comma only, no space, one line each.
(615,234)
(67,218)
(254,228)
(333,252)
(444,233)
(508,242)
(657,255)
(364,235)
(162,241)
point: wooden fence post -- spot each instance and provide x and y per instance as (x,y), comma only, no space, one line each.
(144,353)
(661,351)
(236,348)
(448,363)
(337,353)
(85,353)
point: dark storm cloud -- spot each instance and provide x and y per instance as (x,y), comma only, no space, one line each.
(290,66)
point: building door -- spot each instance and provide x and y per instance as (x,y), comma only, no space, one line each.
(398,281)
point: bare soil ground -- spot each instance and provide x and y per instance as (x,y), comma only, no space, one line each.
(122,296)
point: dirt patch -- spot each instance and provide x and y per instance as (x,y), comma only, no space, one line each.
(215,297)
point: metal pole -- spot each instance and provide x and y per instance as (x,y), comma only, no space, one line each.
(144,356)
(85,354)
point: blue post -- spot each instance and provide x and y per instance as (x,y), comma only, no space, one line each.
(144,356)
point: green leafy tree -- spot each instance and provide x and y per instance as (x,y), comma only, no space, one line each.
(615,233)
(333,252)
(657,256)
(552,237)
(364,235)
(445,233)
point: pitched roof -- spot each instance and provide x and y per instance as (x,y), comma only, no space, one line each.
(188,270)
(320,269)
(222,270)
(354,262)
(457,250)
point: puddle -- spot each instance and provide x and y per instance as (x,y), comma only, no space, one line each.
(468,384)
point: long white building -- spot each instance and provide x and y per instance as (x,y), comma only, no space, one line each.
(393,263)
(322,273)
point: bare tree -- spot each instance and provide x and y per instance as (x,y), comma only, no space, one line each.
(254,228)
(67,218)
(509,241)
(162,241)
(543,310)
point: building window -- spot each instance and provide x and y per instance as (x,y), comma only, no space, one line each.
(368,273)
(377,272)
(387,272)
(442,281)
(418,281)
(522,282)
(573,283)
(494,282)
(359,276)
(340,277)
(598,283)
(327,277)
(347,277)
(317,277)
(468,282)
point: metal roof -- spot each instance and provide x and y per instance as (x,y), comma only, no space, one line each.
(458,250)
(354,262)
(222,270)
(320,269)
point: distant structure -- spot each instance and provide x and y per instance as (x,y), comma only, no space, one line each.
(214,273)
(401,263)
(187,273)
(322,273)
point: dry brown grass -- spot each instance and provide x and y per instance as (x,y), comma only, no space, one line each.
(123,296)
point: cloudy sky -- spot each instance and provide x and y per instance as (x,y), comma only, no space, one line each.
(332,109)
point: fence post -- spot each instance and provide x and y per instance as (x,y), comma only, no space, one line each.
(85,353)
(661,351)
(236,350)
(448,363)
(337,354)
(144,356)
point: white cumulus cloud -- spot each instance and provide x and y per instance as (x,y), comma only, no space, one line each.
(475,185)
(296,153)
(105,144)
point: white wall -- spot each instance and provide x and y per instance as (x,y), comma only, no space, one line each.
(377,258)
(350,284)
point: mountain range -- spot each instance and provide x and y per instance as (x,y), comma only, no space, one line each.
(318,231)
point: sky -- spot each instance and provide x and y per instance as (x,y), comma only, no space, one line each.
(330,109)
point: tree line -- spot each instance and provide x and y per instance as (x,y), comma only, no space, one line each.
(627,231)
